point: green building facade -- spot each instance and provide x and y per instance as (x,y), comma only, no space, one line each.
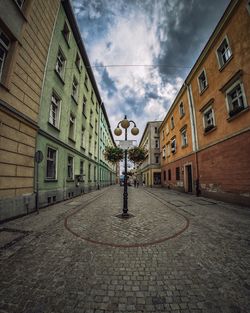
(70,118)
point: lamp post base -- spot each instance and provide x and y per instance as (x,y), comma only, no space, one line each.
(124,216)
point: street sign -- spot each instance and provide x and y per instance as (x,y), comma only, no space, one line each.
(125,144)
(38,156)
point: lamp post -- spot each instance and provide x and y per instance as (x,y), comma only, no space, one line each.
(135,131)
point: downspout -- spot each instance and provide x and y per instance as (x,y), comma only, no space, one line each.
(194,136)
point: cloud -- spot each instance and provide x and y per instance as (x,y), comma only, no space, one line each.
(148,47)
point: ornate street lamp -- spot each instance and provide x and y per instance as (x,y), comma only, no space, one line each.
(118,131)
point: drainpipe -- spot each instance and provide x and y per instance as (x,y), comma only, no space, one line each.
(194,136)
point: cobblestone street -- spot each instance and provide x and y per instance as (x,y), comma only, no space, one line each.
(178,253)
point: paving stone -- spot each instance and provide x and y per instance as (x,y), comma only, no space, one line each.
(63,263)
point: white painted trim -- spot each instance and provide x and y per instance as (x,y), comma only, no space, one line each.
(220,66)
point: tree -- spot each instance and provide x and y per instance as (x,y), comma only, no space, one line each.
(113,154)
(137,154)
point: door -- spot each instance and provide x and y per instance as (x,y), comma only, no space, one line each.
(189,178)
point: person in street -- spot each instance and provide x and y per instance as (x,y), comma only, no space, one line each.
(137,183)
(143,183)
(134,182)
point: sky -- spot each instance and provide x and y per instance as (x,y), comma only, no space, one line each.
(141,51)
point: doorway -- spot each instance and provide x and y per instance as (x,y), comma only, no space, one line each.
(189,178)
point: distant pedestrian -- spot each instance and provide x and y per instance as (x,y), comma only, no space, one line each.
(134,182)
(143,183)
(137,183)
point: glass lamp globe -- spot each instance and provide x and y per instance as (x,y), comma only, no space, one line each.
(118,131)
(125,123)
(135,131)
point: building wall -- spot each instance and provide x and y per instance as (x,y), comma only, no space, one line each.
(237,30)
(20,90)
(219,154)
(149,167)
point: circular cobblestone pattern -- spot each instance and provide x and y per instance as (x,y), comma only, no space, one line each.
(152,222)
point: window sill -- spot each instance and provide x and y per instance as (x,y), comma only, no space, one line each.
(79,68)
(74,99)
(231,118)
(203,90)
(50,180)
(53,126)
(69,180)
(84,149)
(60,77)
(225,64)
(185,146)
(91,125)
(86,87)
(2,84)
(182,116)
(210,131)
(84,115)
(72,140)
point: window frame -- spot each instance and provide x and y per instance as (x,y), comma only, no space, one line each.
(58,115)
(201,87)
(56,162)
(173,141)
(234,112)
(172,122)
(66,32)
(60,73)
(75,89)
(220,60)
(184,144)
(181,111)
(6,50)
(207,127)
(74,123)
(69,178)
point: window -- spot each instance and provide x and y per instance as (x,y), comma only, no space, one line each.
(91,118)
(163,134)
(86,81)
(95,152)
(156,143)
(60,63)
(19,3)
(90,144)
(54,110)
(184,137)
(224,52)
(169,174)
(78,61)
(4,47)
(164,175)
(84,104)
(173,145)
(177,173)
(66,32)
(156,130)
(156,159)
(72,120)
(51,163)
(181,109)
(95,173)
(82,137)
(172,122)
(236,99)
(164,152)
(208,119)
(75,88)
(89,173)
(96,130)
(70,167)
(81,167)
(202,81)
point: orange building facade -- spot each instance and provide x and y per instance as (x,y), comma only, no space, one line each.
(205,136)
